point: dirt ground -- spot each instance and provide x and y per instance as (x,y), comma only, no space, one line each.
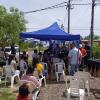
(57,91)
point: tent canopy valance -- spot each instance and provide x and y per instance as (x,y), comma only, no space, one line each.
(53,32)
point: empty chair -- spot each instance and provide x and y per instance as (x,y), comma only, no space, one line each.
(65,79)
(85,78)
(33,94)
(74,89)
(59,67)
(11,73)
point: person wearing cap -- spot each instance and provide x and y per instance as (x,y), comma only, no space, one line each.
(74,58)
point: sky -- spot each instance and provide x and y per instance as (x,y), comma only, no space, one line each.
(80,15)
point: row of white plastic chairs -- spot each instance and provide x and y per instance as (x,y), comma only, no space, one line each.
(11,74)
(59,69)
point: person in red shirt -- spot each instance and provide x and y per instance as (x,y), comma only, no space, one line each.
(84,54)
(24,92)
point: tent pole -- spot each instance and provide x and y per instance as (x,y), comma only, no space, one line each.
(39,45)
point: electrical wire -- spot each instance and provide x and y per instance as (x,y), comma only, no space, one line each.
(73,28)
(51,7)
(63,4)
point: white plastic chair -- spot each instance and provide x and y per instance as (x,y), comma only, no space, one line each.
(45,67)
(85,78)
(65,79)
(45,70)
(11,73)
(43,79)
(59,67)
(33,95)
(74,90)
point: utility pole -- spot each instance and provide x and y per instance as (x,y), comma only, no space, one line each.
(92,27)
(69,16)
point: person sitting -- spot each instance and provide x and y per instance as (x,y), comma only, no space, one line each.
(30,77)
(24,92)
(13,65)
(39,67)
(23,66)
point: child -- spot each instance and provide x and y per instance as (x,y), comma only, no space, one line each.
(24,92)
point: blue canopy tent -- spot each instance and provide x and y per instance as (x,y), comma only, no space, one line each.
(53,32)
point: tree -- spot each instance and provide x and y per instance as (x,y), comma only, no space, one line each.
(11,24)
(2,26)
(96,37)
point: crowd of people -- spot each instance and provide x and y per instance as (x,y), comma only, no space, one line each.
(71,55)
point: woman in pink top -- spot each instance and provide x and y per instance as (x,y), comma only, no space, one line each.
(30,77)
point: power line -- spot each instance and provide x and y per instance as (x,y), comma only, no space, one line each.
(72,28)
(44,9)
(84,29)
(51,7)
(63,4)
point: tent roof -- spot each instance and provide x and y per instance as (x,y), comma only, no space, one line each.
(52,32)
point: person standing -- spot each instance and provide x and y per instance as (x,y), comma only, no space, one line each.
(74,57)
(35,58)
(87,48)
(84,54)
(13,50)
(25,57)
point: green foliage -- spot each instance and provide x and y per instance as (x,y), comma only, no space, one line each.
(11,24)
(96,52)
(96,37)
(24,46)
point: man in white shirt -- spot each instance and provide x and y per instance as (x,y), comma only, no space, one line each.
(75,57)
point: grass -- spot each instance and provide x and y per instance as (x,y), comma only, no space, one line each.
(7,95)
